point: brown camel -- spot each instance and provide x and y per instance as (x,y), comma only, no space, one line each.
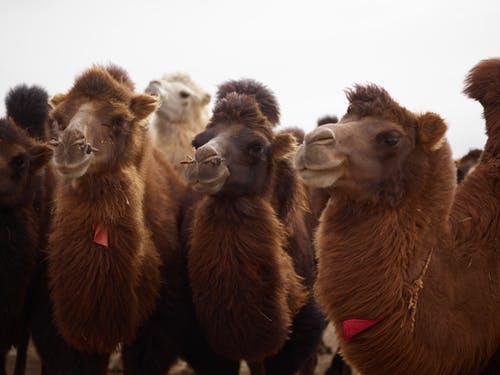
(408,264)
(115,219)
(250,261)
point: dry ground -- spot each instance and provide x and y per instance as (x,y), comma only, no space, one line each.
(33,367)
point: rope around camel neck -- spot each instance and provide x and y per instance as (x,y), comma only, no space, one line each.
(415,289)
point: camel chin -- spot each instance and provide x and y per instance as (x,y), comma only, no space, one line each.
(74,170)
(209,185)
(320,178)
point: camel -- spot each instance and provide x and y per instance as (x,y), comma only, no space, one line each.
(115,268)
(183,112)
(467,163)
(23,214)
(108,186)
(251,281)
(408,263)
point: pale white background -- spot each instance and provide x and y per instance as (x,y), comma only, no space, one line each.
(308,52)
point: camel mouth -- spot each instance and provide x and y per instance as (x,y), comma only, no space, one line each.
(317,167)
(207,176)
(73,170)
(211,186)
(320,178)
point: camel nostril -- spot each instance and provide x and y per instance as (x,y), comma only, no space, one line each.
(320,136)
(88,148)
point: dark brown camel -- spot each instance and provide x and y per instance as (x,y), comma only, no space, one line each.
(23,214)
(408,263)
(250,261)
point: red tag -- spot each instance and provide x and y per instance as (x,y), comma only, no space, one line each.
(100,235)
(352,327)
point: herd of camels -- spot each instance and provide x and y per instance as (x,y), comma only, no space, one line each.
(149,224)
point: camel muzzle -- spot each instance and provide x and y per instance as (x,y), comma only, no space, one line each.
(207,172)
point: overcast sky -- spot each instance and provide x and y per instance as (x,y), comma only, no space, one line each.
(307,52)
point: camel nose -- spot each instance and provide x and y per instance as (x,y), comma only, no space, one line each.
(322,136)
(206,154)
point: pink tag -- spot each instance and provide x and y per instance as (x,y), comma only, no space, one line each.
(352,327)
(100,235)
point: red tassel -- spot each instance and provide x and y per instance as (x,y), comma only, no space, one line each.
(352,327)
(101,235)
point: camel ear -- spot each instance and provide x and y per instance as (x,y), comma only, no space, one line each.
(283,145)
(206,99)
(56,100)
(431,130)
(143,105)
(40,155)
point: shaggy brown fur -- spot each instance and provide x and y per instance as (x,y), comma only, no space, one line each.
(23,214)
(101,295)
(467,163)
(412,253)
(249,241)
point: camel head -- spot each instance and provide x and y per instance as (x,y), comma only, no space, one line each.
(181,99)
(100,123)
(20,159)
(375,148)
(234,155)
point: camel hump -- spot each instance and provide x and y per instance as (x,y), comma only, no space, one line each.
(265,98)
(29,108)
(483,82)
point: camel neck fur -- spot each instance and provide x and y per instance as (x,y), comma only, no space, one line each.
(237,248)
(98,292)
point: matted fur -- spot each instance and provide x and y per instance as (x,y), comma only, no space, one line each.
(101,295)
(372,254)
(245,312)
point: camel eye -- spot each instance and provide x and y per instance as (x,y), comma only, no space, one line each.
(255,148)
(184,94)
(389,139)
(118,121)
(393,141)
(19,162)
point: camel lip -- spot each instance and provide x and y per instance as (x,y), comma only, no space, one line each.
(320,178)
(209,187)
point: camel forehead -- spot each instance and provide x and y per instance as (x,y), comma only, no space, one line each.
(368,125)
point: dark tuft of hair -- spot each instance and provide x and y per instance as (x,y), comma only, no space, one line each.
(29,109)
(373,100)
(264,96)
(328,119)
(483,82)
(240,108)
